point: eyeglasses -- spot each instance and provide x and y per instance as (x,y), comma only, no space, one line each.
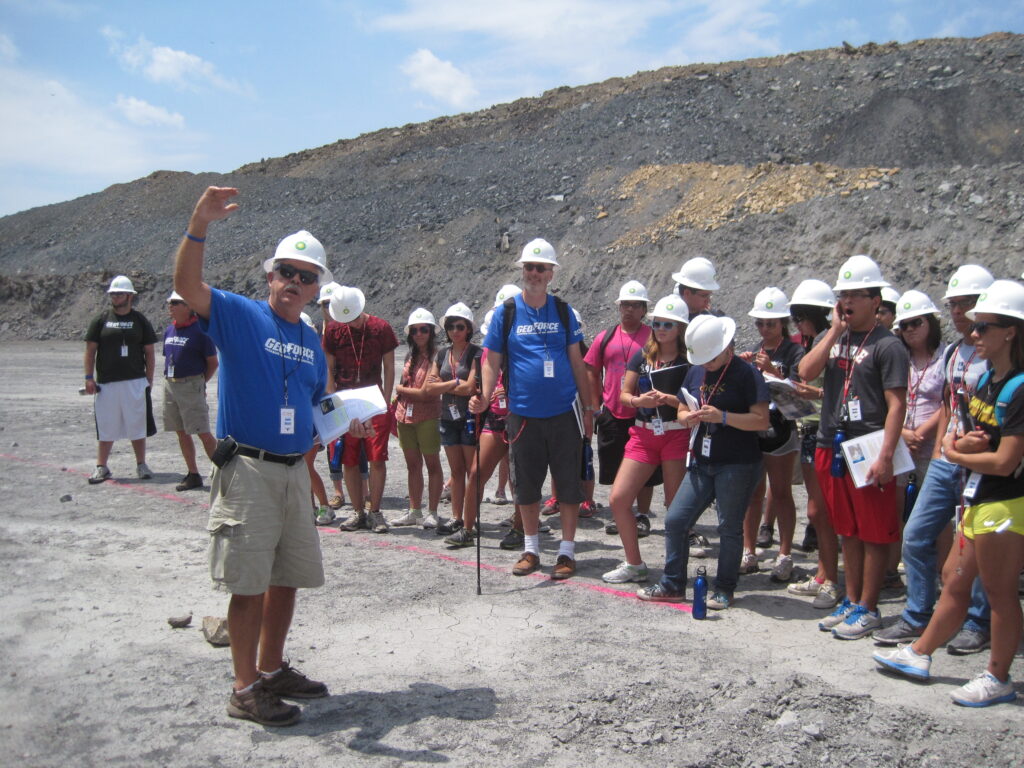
(419,329)
(287,271)
(455,326)
(766,323)
(662,325)
(980,327)
(843,295)
(698,294)
(176,303)
(907,325)
(532,266)
(798,318)
(965,303)
(632,305)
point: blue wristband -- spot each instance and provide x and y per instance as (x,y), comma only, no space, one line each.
(193,238)
(723,419)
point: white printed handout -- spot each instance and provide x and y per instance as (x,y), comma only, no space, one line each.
(334,413)
(787,399)
(693,405)
(860,453)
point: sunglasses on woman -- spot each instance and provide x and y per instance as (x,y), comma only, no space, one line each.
(455,326)
(419,329)
(287,271)
(662,325)
(909,325)
(984,325)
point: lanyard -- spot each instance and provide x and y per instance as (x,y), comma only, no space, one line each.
(285,373)
(451,360)
(362,343)
(627,349)
(852,361)
(914,387)
(705,395)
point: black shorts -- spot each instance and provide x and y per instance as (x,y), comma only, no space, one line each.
(537,445)
(612,436)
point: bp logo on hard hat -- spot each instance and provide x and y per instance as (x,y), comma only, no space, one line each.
(847,275)
(632,290)
(983,297)
(670,307)
(954,282)
(906,305)
(536,250)
(300,246)
(769,305)
(345,311)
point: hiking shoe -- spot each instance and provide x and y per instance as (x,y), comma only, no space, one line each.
(543,527)
(375,522)
(656,593)
(143,472)
(828,595)
(587,509)
(446,493)
(508,522)
(968,640)
(625,573)
(449,527)
(549,507)
(512,540)
(289,683)
(983,691)
(354,522)
(904,661)
(464,537)
(860,622)
(565,567)
(900,632)
(430,521)
(190,481)
(527,564)
(613,530)
(810,542)
(643,526)
(500,499)
(782,571)
(837,616)
(337,501)
(99,474)
(412,517)
(720,600)
(749,563)
(698,545)
(324,516)
(262,706)
(809,587)
(765,536)
(893,582)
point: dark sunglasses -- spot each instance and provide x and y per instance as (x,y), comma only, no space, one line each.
(417,329)
(662,325)
(766,323)
(907,325)
(532,266)
(287,271)
(455,326)
(984,325)
(176,303)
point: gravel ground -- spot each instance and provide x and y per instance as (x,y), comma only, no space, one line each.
(421,668)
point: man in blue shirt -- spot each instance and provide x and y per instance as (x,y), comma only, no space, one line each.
(263,544)
(544,372)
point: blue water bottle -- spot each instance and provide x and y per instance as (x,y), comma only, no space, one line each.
(588,462)
(700,594)
(909,496)
(470,426)
(838,463)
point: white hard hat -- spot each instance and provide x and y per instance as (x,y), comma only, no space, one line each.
(1003,297)
(813,293)
(326,291)
(121,284)
(457,309)
(707,337)
(346,304)
(301,246)
(487,322)
(578,316)
(421,316)
(770,302)
(913,304)
(890,294)
(538,251)
(697,273)
(859,272)
(968,280)
(175,296)
(506,291)
(671,308)
(307,320)
(633,291)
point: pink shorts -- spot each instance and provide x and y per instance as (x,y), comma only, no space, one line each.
(646,447)
(867,513)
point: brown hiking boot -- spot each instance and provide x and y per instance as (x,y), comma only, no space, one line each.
(355,521)
(289,683)
(565,567)
(528,563)
(263,707)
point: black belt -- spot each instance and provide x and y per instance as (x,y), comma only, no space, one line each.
(288,459)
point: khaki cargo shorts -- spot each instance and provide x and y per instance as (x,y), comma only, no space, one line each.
(261,528)
(185,408)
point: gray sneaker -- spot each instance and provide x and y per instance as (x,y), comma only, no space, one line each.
(968,640)
(355,521)
(375,522)
(100,474)
(900,632)
(143,472)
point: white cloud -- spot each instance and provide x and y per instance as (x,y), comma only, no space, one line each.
(142,112)
(440,79)
(8,50)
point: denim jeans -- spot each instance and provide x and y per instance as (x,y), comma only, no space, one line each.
(935,507)
(731,485)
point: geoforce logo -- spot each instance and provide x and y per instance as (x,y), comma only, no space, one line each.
(290,351)
(535,328)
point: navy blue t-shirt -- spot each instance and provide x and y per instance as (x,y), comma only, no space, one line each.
(186,350)
(742,386)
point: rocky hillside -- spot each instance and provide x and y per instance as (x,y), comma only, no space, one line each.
(777,169)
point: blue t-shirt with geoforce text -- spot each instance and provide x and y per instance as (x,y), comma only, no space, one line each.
(535,336)
(259,351)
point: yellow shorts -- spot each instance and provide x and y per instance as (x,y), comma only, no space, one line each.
(994,517)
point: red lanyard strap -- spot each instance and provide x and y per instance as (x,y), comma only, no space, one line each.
(852,361)
(705,395)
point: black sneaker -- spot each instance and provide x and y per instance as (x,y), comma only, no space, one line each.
(262,706)
(446,529)
(289,683)
(810,542)
(513,540)
(612,529)
(643,526)
(765,536)
(968,640)
(900,632)
(190,481)
(463,537)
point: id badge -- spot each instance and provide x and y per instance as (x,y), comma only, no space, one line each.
(170,371)
(124,350)
(853,409)
(705,447)
(622,382)
(453,410)
(549,369)
(502,403)
(972,485)
(408,411)
(658,426)
(287,420)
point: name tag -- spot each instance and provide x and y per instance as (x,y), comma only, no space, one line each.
(658,426)
(408,411)
(453,410)
(502,403)
(971,487)
(170,371)
(287,421)
(853,409)
(549,369)
(705,447)
(124,350)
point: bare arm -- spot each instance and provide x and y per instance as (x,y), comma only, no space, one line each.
(389,375)
(90,366)
(211,367)
(150,363)
(757,420)
(188,264)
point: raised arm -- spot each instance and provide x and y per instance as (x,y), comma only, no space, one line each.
(188,263)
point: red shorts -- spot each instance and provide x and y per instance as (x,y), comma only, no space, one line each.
(376,446)
(646,447)
(867,513)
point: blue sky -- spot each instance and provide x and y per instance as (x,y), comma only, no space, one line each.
(95,93)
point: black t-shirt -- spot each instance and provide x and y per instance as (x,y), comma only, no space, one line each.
(639,365)
(998,487)
(112,331)
(786,357)
(742,386)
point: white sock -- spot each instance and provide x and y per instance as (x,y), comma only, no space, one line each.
(248,687)
(532,544)
(567,548)
(271,674)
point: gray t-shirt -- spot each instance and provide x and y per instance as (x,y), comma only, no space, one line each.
(463,367)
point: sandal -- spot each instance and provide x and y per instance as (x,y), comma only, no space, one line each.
(336,502)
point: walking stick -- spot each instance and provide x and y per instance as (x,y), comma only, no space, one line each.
(479,499)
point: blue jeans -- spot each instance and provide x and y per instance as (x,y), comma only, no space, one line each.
(731,485)
(935,507)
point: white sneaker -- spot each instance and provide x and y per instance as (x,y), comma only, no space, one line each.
(100,474)
(412,517)
(749,563)
(809,587)
(860,622)
(904,660)
(324,516)
(828,595)
(626,573)
(837,616)
(984,690)
(143,472)
(783,569)
(430,521)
